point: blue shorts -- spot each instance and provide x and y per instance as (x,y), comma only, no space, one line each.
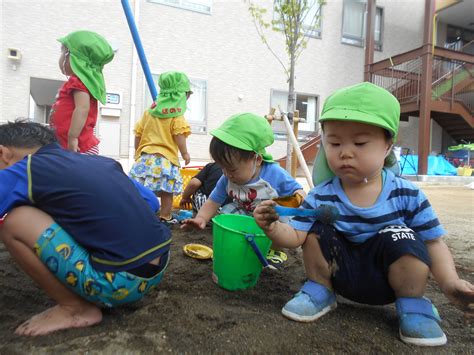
(69,262)
(360,271)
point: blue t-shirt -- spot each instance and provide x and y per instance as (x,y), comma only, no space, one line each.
(278,178)
(92,199)
(399,203)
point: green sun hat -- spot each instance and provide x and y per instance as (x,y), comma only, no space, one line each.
(171,100)
(247,131)
(89,52)
(365,103)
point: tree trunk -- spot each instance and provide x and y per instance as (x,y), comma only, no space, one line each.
(291,110)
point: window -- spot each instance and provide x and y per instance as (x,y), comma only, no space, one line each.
(196,113)
(43,93)
(305,103)
(204,6)
(311,22)
(353,24)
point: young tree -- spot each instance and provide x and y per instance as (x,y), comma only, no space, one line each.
(296,20)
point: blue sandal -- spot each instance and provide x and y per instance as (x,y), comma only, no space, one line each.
(419,320)
(312,302)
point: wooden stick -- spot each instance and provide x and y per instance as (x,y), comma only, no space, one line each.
(296,147)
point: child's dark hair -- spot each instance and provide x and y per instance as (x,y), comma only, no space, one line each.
(24,134)
(224,154)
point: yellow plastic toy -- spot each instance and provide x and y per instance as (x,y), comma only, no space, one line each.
(198,251)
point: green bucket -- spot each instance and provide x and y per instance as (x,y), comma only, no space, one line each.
(235,264)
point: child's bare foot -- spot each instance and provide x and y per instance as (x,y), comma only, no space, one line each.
(60,317)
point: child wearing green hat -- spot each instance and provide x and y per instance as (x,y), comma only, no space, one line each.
(387,238)
(159,134)
(250,174)
(74,114)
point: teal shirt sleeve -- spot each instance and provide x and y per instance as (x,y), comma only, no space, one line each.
(14,187)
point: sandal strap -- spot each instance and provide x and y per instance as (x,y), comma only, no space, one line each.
(315,291)
(416,305)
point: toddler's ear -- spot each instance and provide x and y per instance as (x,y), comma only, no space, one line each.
(5,154)
(259,160)
(389,149)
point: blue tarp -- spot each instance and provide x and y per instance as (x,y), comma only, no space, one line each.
(436,165)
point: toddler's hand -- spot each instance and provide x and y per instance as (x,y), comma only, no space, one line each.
(193,223)
(186,157)
(461,294)
(185,202)
(265,215)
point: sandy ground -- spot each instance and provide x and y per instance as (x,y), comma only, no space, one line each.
(189,313)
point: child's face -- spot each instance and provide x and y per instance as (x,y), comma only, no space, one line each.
(64,64)
(355,151)
(242,171)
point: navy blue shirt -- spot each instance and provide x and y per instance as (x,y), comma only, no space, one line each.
(92,199)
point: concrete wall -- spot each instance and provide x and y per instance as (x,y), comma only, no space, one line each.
(222,48)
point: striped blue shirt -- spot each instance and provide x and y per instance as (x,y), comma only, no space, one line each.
(399,203)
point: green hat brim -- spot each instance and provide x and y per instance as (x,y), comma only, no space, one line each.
(337,114)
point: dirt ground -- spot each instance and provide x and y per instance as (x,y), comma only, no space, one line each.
(189,313)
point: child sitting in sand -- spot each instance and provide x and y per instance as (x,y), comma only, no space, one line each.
(250,174)
(88,240)
(387,238)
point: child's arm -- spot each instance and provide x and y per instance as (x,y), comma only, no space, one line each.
(190,189)
(137,142)
(180,140)
(458,291)
(207,211)
(281,234)
(78,120)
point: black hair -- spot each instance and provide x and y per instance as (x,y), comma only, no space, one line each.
(25,134)
(390,159)
(225,154)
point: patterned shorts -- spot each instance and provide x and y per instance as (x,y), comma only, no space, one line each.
(69,262)
(157,174)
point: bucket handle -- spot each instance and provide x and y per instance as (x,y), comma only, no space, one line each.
(250,239)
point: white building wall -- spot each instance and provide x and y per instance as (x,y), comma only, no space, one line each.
(222,48)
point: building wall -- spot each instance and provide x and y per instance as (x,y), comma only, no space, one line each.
(222,48)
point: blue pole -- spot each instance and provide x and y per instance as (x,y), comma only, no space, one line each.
(139,47)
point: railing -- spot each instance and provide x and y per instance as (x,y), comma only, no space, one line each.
(453,81)
(452,77)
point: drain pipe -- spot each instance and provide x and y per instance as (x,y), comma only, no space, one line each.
(133,95)
(140,53)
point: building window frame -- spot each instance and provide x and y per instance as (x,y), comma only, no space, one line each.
(304,128)
(359,40)
(198,86)
(199,6)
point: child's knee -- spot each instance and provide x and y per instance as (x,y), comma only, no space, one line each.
(25,221)
(401,242)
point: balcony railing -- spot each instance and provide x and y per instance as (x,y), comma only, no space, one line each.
(452,76)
